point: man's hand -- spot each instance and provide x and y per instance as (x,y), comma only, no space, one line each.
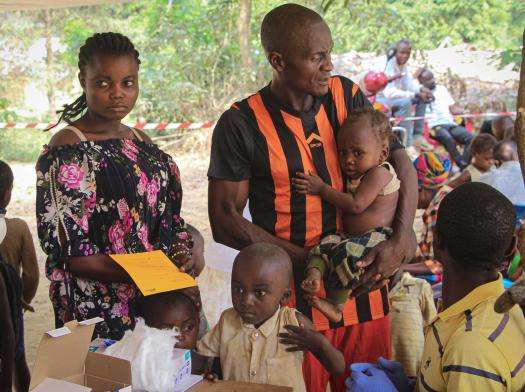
(309,183)
(302,339)
(383,261)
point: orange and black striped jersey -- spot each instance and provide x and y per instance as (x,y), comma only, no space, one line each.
(267,142)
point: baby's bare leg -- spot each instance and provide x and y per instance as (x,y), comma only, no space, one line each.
(333,312)
(312,282)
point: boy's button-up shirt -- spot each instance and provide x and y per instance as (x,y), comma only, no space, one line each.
(254,354)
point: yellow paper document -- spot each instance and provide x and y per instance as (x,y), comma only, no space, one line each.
(153,272)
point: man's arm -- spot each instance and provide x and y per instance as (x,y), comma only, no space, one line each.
(226,202)
(383,260)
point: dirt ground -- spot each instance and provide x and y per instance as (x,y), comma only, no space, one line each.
(214,283)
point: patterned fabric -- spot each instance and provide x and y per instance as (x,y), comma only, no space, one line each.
(432,170)
(336,257)
(105,197)
(429,222)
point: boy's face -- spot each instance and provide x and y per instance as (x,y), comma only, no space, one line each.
(484,161)
(359,149)
(258,289)
(186,320)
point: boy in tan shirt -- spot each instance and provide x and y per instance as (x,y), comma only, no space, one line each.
(260,340)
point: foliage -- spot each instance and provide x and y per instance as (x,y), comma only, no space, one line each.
(191,61)
(21,145)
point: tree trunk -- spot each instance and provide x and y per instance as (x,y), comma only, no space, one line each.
(50,82)
(519,128)
(243,29)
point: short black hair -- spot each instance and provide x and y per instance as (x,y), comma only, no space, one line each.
(379,122)
(482,143)
(403,41)
(265,254)
(498,153)
(475,224)
(284,22)
(6,178)
(147,307)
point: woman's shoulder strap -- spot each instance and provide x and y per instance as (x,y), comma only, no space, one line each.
(137,134)
(77,132)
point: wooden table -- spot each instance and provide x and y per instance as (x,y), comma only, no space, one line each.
(236,386)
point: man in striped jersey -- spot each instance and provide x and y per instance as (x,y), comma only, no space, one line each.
(290,126)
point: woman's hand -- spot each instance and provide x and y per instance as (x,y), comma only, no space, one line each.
(309,183)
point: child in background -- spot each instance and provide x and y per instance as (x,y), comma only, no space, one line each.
(432,175)
(250,339)
(368,206)
(505,151)
(468,347)
(481,150)
(165,322)
(412,310)
(17,250)
(169,310)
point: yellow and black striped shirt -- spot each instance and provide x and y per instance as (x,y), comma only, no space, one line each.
(266,142)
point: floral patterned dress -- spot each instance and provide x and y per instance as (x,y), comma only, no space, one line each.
(105,197)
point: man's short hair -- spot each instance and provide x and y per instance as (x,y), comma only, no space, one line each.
(475,224)
(284,23)
(403,41)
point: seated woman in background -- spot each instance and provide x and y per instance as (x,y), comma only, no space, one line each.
(103,188)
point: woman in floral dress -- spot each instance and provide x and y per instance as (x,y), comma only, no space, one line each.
(104,188)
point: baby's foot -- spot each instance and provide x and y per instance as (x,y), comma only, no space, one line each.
(312,283)
(331,311)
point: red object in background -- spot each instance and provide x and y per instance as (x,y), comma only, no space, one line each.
(375,81)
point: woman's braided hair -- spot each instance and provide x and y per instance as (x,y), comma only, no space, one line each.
(100,43)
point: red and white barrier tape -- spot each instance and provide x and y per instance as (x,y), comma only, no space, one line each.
(397,120)
(161,126)
(164,126)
